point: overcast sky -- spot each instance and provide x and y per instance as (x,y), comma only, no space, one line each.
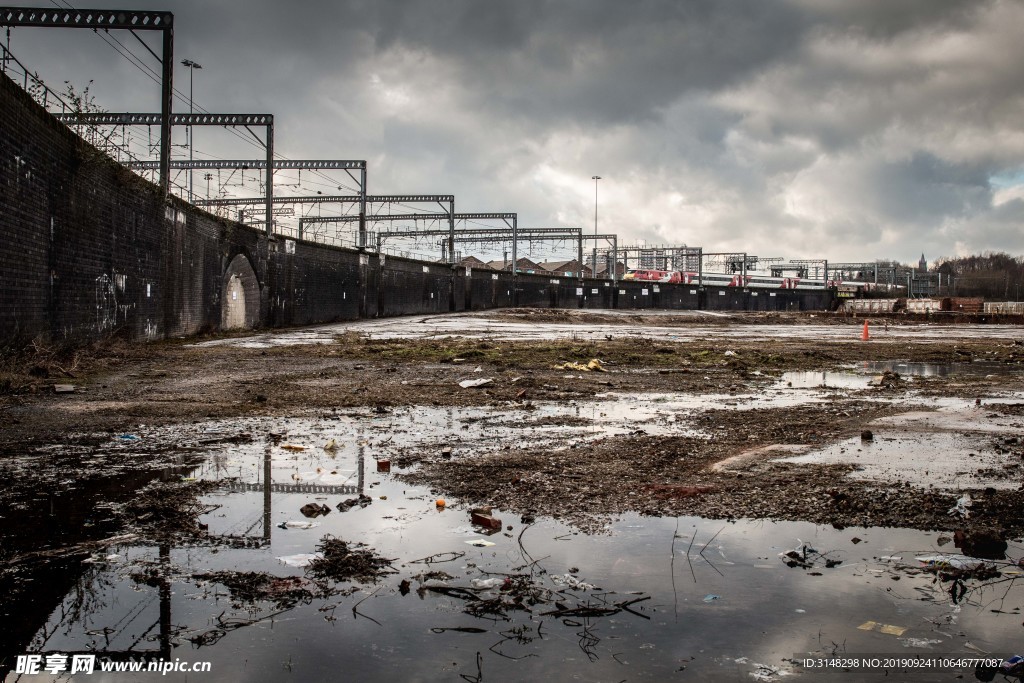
(840,129)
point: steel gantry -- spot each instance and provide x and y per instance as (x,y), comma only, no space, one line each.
(816,262)
(347,165)
(661,257)
(144,119)
(452,218)
(445,201)
(129,20)
(482,235)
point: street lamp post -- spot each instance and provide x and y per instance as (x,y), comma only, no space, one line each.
(192,66)
(595,179)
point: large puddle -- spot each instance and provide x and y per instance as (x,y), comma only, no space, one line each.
(653,599)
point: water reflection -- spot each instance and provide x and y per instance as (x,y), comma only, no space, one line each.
(647,600)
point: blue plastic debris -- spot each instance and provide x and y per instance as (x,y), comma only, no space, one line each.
(711,597)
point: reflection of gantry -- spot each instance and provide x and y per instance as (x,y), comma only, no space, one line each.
(325,489)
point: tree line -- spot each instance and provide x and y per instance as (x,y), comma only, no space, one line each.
(990,275)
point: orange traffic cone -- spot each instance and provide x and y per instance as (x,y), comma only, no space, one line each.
(864,335)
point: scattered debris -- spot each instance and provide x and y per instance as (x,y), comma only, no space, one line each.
(806,557)
(314,510)
(962,506)
(471,383)
(297,524)
(593,366)
(482,517)
(883,628)
(340,561)
(300,560)
(251,587)
(362,501)
(983,543)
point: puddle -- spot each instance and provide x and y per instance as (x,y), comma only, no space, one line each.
(480,326)
(694,589)
(823,380)
(907,369)
(959,446)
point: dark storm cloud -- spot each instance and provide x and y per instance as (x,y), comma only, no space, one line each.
(595,62)
(802,127)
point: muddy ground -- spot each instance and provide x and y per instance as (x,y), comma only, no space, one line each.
(48,436)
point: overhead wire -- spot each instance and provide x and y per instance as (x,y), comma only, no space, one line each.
(124,51)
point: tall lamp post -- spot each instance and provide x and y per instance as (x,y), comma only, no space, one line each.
(192,66)
(595,179)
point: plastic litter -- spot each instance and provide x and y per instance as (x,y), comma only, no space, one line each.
(951,561)
(572,582)
(1014,666)
(711,597)
(331,446)
(487,583)
(300,560)
(292,447)
(470,383)
(297,524)
(479,543)
(594,365)
(128,437)
(962,505)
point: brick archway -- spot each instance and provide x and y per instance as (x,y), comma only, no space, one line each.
(240,308)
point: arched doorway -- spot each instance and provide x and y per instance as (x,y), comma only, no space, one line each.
(241,304)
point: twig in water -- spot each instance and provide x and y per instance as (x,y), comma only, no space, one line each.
(355,608)
(672,570)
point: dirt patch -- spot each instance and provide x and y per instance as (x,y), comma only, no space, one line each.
(677,476)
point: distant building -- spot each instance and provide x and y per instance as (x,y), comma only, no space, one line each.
(570,268)
(523,265)
(474,263)
(602,269)
(922,265)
